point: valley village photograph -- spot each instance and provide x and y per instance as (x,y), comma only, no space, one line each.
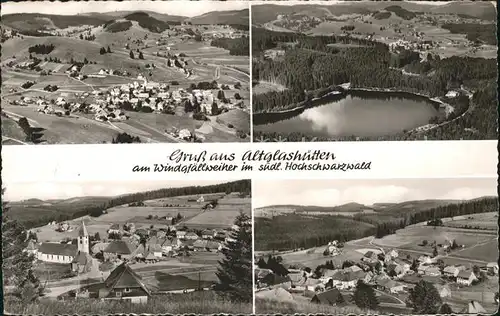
(374,70)
(387,247)
(125,72)
(175,247)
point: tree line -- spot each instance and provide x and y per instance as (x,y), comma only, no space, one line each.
(41,49)
(38,216)
(315,62)
(235,46)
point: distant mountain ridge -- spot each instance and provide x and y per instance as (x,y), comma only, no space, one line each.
(153,21)
(354,207)
(268,12)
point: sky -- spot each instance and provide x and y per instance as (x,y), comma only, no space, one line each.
(182,8)
(338,192)
(330,2)
(52,190)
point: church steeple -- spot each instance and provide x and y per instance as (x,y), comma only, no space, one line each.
(83,239)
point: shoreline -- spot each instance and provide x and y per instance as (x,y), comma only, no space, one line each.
(345,88)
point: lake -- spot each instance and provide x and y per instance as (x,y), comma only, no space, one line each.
(358,113)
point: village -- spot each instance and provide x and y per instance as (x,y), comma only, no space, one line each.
(390,273)
(157,81)
(124,264)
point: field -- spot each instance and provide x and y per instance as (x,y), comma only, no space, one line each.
(486,221)
(222,216)
(208,64)
(206,302)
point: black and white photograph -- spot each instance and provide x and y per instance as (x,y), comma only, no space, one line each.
(374,70)
(174,247)
(386,247)
(125,72)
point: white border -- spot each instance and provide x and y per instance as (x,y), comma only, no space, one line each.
(415,159)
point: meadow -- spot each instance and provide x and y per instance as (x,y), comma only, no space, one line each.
(269,306)
(205,302)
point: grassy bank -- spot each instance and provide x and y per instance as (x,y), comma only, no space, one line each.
(192,303)
(269,306)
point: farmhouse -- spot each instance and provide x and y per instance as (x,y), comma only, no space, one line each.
(181,234)
(492,267)
(124,284)
(331,297)
(207,234)
(452,271)
(466,277)
(119,249)
(429,270)
(191,236)
(114,229)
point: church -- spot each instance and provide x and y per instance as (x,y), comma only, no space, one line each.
(77,255)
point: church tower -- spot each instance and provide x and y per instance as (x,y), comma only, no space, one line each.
(83,239)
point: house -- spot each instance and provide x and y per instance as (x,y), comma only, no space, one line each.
(432,271)
(124,284)
(396,288)
(191,236)
(466,277)
(207,234)
(473,308)
(451,94)
(370,256)
(492,268)
(425,260)
(114,229)
(170,244)
(119,249)
(347,279)
(392,254)
(181,234)
(331,297)
(57,253)
(443,290)
(82,263)
(452,271)
(99,247)
(64,226)
(201,199)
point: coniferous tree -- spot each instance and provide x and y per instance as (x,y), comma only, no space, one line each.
(235,269)
(108,50)
(424,298)
(364,296)
(141,56)
(132,55)
(17,264)
(445,309)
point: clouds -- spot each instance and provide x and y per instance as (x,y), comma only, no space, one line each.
(169,7)
(338,192)
(61,190)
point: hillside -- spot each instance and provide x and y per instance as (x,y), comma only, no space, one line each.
(268,12)
(235,17)
(32,22)
(148,22)
(33,214)
(288,230)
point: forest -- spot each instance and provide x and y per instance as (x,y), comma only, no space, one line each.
(34,216)
(235,46)
(309,63)
(294,231)
(41,49)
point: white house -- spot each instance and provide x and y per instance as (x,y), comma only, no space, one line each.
(466,278)
(492,267)
(453,271)
(452,94)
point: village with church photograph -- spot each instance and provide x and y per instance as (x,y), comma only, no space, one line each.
(387,247)
(127,248)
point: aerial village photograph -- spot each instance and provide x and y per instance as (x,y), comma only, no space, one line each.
(125,72)
(387,247)
(174,247)
(374,70)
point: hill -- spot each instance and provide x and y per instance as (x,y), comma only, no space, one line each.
(148,22)
(234,17)
(33,215)
(33,22)
(288,230)
(268,12)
